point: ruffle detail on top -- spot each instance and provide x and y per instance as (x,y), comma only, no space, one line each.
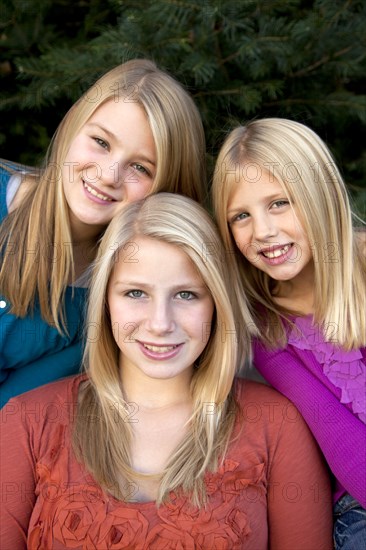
(345,369)
(82,517)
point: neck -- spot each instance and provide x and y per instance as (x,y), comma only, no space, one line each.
(297,294)
(84,245)
(155,394)
(84,233)
(83,254)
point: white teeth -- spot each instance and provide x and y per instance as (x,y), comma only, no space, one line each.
(159,349)
(276,253)
(93,192)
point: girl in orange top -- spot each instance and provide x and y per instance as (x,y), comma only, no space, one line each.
(158,445)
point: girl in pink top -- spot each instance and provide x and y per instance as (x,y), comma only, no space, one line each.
(284,214)
(157,445)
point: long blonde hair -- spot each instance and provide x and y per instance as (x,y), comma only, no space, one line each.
(102,437)
(305,168)
(36,259)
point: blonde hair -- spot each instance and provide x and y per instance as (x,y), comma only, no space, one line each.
(305,168)
(102,442)
(36,261)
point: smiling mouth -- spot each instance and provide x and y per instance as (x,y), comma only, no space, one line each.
(276,253)
(160,349)
(95,193)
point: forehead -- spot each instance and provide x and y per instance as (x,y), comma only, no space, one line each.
(115,110)
(143,256)
(251,180)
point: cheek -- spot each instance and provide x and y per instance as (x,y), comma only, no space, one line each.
(139,190)
(293,222)
(243,243)
(124,327)
(82,156)
(199,322)
(76,149)
(307,252)
(250,251)
(117,315)
(76,159)
(208,309)
(240,236)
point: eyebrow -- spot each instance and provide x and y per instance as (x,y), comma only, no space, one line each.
(111,135)
(232,210)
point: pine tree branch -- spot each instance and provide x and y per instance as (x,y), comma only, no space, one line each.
(261,39)
(219,92)
(320,62)
(338,13)
(302,101)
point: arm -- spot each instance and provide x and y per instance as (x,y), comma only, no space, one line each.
(339,433)
(18,477)
(33,353)
(37,373)
(299,499)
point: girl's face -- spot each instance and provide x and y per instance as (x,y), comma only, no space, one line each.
(160,309)
(266,227)
(110,163)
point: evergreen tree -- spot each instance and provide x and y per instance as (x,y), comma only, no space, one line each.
(241,59)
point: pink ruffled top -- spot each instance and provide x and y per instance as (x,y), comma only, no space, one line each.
(345,369)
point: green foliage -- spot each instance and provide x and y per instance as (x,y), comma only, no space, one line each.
(241,59)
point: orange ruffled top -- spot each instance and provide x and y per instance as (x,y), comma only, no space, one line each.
(272,489)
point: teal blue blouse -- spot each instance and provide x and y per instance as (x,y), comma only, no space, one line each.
(32,352)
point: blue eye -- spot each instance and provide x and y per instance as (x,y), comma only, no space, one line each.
(101,142)
(239,217)
(134,293)
(278,204)
(139,168)
(186,295)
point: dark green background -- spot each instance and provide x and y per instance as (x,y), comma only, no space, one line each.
(304,60)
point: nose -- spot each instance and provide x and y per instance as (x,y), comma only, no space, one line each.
(114,174)
(111,174)
(161,317)
(264,227)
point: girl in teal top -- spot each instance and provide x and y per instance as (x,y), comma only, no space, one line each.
(136,131)
(32,352)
